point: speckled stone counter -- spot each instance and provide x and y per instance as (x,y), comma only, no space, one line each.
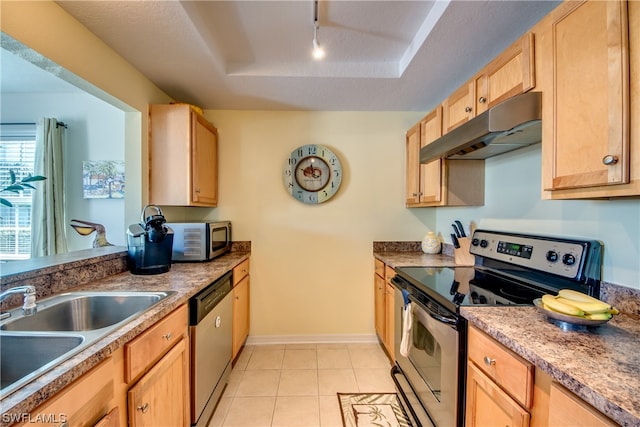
(186,279)
(409,254)
(600,365)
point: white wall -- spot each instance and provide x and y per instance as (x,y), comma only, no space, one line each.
(312,266)
(513,203)
(95,132)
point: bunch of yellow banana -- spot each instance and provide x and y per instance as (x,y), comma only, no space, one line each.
(574,303)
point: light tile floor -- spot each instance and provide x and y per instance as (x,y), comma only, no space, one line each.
(296,385)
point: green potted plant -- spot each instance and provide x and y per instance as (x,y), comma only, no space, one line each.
(19,185)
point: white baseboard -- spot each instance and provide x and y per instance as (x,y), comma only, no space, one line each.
(312,339)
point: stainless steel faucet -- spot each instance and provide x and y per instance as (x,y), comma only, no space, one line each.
(29,306)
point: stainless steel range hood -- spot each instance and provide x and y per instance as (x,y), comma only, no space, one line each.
(512,124)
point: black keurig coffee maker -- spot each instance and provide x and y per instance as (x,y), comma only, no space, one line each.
(150,243)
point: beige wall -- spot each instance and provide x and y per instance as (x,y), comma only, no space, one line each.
(312,265)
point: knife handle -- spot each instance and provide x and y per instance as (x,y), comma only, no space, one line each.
(454,240)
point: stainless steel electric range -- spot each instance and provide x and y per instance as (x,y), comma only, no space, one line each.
(431,338)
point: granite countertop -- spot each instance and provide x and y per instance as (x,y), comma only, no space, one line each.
(187,279)
(600,365)
(409,254)
(414,259)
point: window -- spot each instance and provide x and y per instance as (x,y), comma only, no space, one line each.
(17,153)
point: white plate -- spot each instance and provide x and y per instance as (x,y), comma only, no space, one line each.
(565,317)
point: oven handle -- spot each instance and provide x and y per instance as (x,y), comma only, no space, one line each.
(439,317)
(401,284)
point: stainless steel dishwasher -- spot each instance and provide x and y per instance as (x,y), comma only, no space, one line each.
(210,317)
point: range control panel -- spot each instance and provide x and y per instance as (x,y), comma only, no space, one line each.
(563,257)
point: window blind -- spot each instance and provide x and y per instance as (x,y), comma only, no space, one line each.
(17,154)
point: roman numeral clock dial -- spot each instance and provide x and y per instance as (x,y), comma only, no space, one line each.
(313,173)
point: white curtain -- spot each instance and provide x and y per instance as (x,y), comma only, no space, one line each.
(47,210)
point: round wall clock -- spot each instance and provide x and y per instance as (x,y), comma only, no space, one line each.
(313,173)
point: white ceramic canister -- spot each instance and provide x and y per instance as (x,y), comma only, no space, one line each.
(431,244)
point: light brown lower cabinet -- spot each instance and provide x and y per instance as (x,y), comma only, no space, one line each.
(160,397)
(144,383)
(84,403)
(112,419)
(567,410)
(240,315)
(384,306)
(241,295)
(504,390)
(489,405)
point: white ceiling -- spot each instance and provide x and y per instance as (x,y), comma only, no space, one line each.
(255,55)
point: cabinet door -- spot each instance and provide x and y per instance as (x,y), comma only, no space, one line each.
(566,410)
(488,405)
(389,319)
(241,307)
(458,108)
(432,173)
(590,96)
(379,305)
(112,419)
(509,74)
(161,397)
(204,162)
(412,183)
(83,403)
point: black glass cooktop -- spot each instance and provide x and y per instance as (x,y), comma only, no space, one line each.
(457,286)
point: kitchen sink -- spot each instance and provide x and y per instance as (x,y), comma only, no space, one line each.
(27,355)
(63,325)
(77,311)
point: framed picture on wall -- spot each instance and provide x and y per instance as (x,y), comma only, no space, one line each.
(103,179)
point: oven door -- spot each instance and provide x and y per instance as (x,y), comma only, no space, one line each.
(431,366)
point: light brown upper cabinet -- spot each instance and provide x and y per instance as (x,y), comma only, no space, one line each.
(458,108)
(440,182)
(591,130)
(509,74)
(183,157)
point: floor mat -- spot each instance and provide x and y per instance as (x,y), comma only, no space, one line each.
(372,409)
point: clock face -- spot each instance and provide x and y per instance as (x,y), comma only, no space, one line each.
(313,173)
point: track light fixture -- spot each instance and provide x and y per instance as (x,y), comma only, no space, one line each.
(317,52)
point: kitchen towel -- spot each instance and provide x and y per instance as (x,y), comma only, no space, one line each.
(407,324)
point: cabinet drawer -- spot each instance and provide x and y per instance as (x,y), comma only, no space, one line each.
(507,369)
(389,273)
(379,267)
(143,351)
(240,270)
(82,403)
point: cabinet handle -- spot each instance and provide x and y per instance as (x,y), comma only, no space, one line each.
(415,194)
(482,100)
(489,361)
(610,160)
(144,408)
(168,336)
(467,109)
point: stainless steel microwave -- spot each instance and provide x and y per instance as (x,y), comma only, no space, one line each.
(200,241)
